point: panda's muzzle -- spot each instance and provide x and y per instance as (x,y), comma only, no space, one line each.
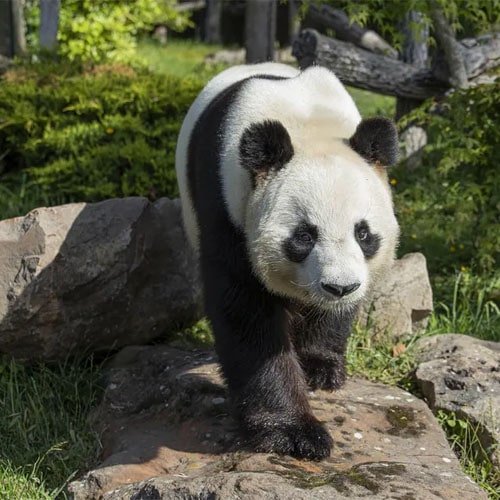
(339,291)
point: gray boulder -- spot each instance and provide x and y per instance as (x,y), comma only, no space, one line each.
(167,433)
(401,301)
(461,374)
(94,276)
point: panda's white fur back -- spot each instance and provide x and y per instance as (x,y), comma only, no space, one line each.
(214,87)
(313,106)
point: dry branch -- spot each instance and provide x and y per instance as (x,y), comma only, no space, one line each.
(323,17)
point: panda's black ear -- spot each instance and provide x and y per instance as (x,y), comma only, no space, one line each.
(376,140)
(264,147)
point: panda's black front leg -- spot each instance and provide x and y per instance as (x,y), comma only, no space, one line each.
(320,341)
(265,380)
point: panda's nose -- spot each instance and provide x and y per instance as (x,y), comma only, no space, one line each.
(340,290)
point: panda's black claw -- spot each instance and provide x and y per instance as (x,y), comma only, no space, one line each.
(307,439)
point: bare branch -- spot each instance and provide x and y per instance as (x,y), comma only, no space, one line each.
(453,53)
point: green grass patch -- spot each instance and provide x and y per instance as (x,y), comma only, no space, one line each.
(470,306)
(380,359)
(179,57)
(46,438)
(19,483)
(371,104)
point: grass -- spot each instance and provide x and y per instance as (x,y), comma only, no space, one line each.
(380,360)
(472,308)
(179,57)
(46,439)
(371,104)
(463,437)
(18,197)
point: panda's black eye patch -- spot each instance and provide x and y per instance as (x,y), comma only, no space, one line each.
(300,244)
(368,242)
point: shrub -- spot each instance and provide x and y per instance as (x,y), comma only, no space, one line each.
(449,206)
(108,132)
(108,32)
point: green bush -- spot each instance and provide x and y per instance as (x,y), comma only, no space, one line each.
(109,132)
(108,32)
(449,206)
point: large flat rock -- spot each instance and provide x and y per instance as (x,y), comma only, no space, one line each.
(167,433)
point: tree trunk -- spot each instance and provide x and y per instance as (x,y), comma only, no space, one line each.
(49,24)
(18,39)
(212,21)
(363,69)
(324,17)
(260,30)
(414,52)
(12,41)
(293,20)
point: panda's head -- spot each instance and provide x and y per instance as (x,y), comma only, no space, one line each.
(319,223)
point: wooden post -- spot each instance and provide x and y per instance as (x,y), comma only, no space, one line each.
(260,30)
(49,24)
(212,21)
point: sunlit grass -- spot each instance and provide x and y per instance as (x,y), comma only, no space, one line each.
(380,359)
(472,309)
(178,57)
(371,104)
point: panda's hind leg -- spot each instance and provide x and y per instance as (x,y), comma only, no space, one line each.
(320,342)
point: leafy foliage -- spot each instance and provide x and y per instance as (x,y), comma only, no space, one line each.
(465,16)
(108,132)
(107,33)
(449,207)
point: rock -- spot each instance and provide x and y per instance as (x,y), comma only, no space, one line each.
(401,302)
(5,64)
(461,374)
(414,140)
(83,277)
(167,433)
(237,56)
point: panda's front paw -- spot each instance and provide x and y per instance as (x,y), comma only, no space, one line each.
(307,439)
(326,373)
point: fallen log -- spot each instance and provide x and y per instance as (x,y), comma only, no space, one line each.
(364,69)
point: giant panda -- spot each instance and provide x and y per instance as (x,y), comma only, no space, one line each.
(285,200)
